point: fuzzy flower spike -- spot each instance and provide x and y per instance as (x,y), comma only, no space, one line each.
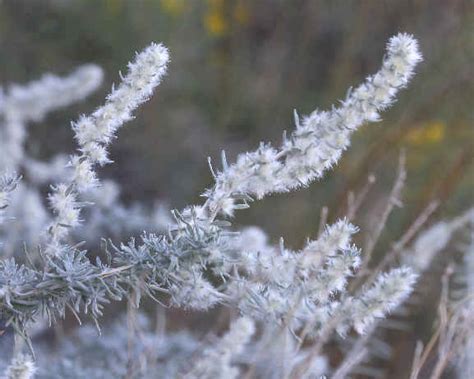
(95,132)
(22,104)
(302,290)
(319,139)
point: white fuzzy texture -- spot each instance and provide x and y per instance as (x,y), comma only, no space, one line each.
(21,367)
(64,203)
(335,237)
(290,288)
(19,105)
(319,139)
(34,100)
(389,290)
(276,278)
(194,292)
(95,132)
(432,241)
(31,102)
(216,361)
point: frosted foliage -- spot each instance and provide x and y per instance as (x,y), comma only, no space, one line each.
(87,355)
(216,361)
(27,212)
(21,367)
(433,240)
(193,258)
(95,132)
(31,102)
(276,279)
(319,139)
(388,291)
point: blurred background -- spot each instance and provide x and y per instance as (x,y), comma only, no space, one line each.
(238,70)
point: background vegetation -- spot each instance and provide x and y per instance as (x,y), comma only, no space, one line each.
(238,69)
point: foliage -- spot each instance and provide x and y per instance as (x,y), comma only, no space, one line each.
(201,261)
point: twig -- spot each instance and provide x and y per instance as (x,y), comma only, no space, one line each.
(393,200)
(355,356)
(354,202)
(398,246)
(416,366)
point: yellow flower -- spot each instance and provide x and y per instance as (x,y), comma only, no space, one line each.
(174,7)
(432,132)
(215,23)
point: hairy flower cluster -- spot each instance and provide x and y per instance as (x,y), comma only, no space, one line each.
(108,218)
(19,106)
(25,104)
(216,361)
(34,100)
(22,367)
(319,139)
(201,262)
(432,241)
(271,285)
(277,282)
(95,132)
(31,102)
(419,256)
(172,354)
(158,265)
(388,292)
